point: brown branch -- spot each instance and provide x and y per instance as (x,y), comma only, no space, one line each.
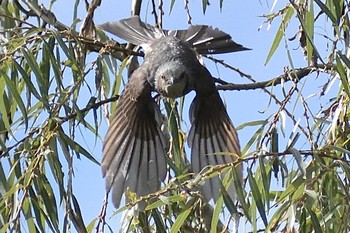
(136,7)
(46,15)
(88,108)
(298,74)
(194,181)
(102,216)
(62,120)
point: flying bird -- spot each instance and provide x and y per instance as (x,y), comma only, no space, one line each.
(135,147)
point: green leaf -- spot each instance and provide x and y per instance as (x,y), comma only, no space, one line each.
(291,188)
(280,33)
(265,178)
(165,200)
(77,148)
(237,177)
(171,5)
(27,80)
(216,213)
(180,220)
(315,222)
(326,10)
(309,27)
(299,160)
(274,221)
(252,123)
(4,107)
(227,182)
(257,196)
(205,3)
(16,95)
(77,217)
(158,220)
(342,74)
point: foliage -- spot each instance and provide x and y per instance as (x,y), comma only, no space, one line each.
(47,69)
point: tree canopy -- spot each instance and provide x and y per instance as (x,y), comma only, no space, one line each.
(59,84)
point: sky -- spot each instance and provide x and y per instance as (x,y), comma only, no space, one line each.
(241,19)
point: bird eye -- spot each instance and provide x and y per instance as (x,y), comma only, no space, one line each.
(183,75)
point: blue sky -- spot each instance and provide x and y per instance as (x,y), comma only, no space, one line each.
(238,18)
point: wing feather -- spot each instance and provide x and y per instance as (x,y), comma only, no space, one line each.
(134,148)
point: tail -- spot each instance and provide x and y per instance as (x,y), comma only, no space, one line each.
(204,39)
(208,40)
(133,30)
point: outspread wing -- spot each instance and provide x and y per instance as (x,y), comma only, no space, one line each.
(213,140)
(134,148)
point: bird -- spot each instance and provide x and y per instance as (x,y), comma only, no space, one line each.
(135,147)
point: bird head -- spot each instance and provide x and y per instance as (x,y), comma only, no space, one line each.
(171,80)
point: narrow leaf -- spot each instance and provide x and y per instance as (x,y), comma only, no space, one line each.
(257,196)
(180,220)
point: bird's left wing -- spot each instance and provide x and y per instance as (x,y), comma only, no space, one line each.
(134,148)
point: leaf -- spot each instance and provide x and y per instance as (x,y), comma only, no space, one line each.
(205,3)
(265,178)
(166,200)
(227,199)
(171,5)
(180,220)
(257,196)
(257,135)
(16,95)
(215,218)
(77,148)
(299,160)
(158,220)
(274,221)
(27,80)
(280,33)
(326,10)
(173,127)
(4,107)
(291,188)
(240,193)
(77,217)
(342,74)
(315,221)
(252,123)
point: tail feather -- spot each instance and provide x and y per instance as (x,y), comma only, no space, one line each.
(133,30)
(204,39)
(208,40)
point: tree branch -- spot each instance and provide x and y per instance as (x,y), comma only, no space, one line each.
(297,74)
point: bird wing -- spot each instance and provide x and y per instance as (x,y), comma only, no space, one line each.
(134,148)
(213,139)
(133,30)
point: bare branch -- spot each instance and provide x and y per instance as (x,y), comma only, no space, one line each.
(297,74)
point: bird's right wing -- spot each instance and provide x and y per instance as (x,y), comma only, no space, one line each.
(133,30)
(134,148)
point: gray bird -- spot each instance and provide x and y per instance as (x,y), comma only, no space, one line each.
(135,148)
